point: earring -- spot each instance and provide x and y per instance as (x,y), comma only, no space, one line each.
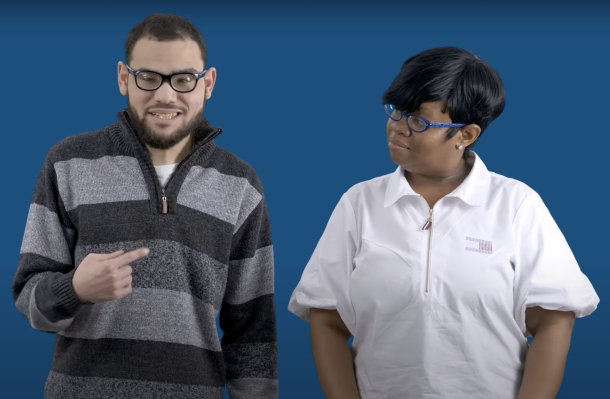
(459,147)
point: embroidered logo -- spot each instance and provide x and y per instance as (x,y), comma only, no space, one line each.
(480,246)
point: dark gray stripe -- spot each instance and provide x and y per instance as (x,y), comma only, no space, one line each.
(94,181)
(45,236)
(25,296)
(170,266)
(151,315)
(254,234)
(249,322)
(45,194)
(250,278)
(30,265)
(26,304)
(61,386)
(129,221)
(226,197)
(89,145)
(37,318)
(138,360)
(251,361)
(253,388)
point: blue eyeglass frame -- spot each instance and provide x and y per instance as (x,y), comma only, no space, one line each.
(426,122)
(136,72)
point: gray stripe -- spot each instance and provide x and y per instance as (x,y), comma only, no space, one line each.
(61,386)
(95,181)
(250,278)
(226,197)
(151,315)
(45,236)
(171,266)
(26,304)
(253,388)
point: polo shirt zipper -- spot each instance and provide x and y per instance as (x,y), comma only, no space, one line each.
(428,226)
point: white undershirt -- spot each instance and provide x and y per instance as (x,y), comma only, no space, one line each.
(164,172)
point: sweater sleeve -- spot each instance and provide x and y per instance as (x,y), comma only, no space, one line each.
(247,315)
(42,285)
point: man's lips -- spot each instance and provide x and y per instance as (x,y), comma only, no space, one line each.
(164,111)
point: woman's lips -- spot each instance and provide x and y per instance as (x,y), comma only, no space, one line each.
(397,143)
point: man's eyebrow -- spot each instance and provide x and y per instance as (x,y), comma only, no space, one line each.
(184,70)
(187,70)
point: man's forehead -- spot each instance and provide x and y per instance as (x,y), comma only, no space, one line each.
(167,56)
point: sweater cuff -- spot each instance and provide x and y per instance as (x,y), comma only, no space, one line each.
(67,301)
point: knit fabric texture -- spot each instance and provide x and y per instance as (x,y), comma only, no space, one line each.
(211,255)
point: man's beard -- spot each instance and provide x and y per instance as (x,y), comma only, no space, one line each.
(159,141)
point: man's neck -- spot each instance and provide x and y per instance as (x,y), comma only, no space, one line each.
(172,155)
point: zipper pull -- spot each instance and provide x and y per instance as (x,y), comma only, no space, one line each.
(428,222)
(164,199)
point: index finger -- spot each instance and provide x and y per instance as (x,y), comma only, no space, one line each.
(130,256)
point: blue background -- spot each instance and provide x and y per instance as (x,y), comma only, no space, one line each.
(298,97)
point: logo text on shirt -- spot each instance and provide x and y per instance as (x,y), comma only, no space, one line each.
(477,245)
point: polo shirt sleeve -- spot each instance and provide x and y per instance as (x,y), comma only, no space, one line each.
(324,282)
(546,272)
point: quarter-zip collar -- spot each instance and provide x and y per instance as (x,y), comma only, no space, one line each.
(203,135)
(164,199)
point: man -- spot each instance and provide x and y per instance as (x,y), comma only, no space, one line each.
(138,234)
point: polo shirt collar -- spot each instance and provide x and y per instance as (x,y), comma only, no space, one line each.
(472,191)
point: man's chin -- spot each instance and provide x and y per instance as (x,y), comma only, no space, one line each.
(163,142)
(161,135)
(162,132)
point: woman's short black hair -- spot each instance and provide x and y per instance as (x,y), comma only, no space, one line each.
(471,90)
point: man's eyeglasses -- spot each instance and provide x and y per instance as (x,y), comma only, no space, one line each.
(416,123)
(181,82)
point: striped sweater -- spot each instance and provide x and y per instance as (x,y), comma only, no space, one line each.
(210,255)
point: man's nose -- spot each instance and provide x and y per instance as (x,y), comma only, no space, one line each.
(165,94)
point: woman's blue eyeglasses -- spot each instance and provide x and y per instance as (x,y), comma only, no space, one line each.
(416,123)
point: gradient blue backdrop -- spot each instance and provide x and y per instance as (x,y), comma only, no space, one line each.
(298,97)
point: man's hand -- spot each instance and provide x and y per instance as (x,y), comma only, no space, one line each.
(105,277)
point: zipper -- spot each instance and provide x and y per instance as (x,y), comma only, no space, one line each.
(163,195)
(428,226)
(164,203)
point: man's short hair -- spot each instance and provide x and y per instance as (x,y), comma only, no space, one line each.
(164,28)
(470,90)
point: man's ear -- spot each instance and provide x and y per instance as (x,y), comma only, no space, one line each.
(209,80)
(122,77)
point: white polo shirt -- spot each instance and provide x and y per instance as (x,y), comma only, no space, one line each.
(437,310)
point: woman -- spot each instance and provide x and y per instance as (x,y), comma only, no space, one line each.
(441,270)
